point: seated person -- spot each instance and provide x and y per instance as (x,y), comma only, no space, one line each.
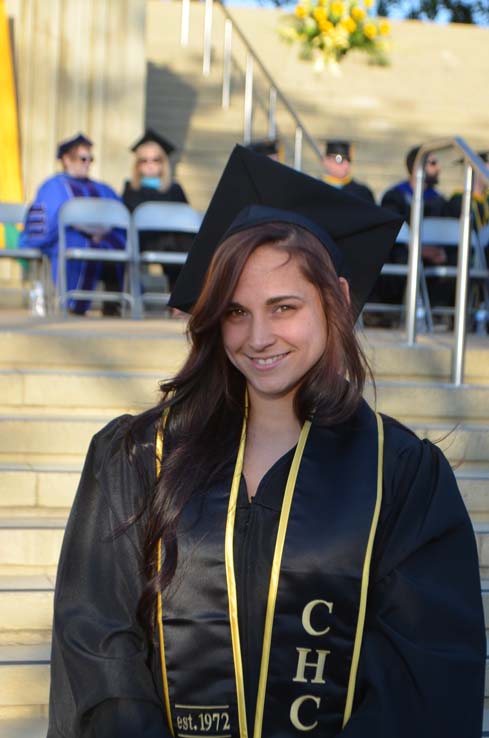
(270,147)
(152,181)
(398,199)
(41,226)
(337,164)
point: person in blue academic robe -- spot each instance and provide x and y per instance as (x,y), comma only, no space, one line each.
(41,225)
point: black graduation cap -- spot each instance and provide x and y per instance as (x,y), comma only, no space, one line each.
(69,143)
(151,135)
(255,189)
(343,149)
(264,146)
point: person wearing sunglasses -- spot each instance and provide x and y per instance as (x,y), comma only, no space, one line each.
(152,181)
(399,199)
(41,225)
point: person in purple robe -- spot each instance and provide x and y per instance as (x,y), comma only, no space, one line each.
(41,225)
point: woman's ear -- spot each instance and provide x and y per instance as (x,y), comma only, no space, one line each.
(345,288)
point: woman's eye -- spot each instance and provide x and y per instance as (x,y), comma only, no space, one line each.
(235,312)
(284,308)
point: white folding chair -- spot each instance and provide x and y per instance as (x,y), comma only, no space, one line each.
(402,270)
(94,213)
(170,217)
(445,232)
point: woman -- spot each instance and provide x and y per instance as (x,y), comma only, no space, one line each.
(261,554)
(152,181)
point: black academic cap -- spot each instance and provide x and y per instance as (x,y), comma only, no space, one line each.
(340,148)
(153,136)
(255,189)
(265,146)
(69,143)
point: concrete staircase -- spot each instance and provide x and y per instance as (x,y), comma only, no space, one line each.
(61,381)
(385,110)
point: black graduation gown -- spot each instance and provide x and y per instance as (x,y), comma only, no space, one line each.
(132,198)
(422,661)
(159,240)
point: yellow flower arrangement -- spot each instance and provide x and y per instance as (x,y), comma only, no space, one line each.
(329,29)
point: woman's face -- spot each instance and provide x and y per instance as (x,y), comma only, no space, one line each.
(150,160)
(275,328)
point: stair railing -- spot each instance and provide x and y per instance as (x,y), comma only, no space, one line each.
(253,61)
(472,163)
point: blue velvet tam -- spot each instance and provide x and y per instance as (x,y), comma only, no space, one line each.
(79,140)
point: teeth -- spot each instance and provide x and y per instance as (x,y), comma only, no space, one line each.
(266,362)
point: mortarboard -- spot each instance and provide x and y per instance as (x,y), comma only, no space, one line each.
(255,189)
(69,143)
(343,149)
(265,146)
(151,135)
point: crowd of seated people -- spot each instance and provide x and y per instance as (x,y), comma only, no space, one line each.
(152,179)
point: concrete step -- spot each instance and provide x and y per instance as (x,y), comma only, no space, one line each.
(23,727)
(26,605)
(30,546)
(33,438)
(39,490)
(53,390)
(27,489)
(160,346)
(24,675)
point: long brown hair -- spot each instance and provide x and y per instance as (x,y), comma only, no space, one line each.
(204,401)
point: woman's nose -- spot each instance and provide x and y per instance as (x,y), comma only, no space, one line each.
(261,333)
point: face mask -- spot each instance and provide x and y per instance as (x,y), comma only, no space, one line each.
(151,182)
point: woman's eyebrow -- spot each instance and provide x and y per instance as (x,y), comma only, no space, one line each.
(281,298)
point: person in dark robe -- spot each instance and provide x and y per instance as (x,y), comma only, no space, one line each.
(152,181)
(41,225)
(337,162)
(262,553)
(390,289)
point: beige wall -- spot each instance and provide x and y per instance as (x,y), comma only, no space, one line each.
(80,65)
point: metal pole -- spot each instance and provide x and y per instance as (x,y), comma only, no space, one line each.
(226,74)
(414,253)
(462,279)
(272,108)
(206,64)
(298,149)
(248,99)
(185,24)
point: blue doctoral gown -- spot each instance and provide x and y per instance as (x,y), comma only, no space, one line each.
(41,231)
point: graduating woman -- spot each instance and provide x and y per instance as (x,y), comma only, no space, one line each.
(262,554)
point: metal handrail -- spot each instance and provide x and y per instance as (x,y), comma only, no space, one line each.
(473,163)
(252,60)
